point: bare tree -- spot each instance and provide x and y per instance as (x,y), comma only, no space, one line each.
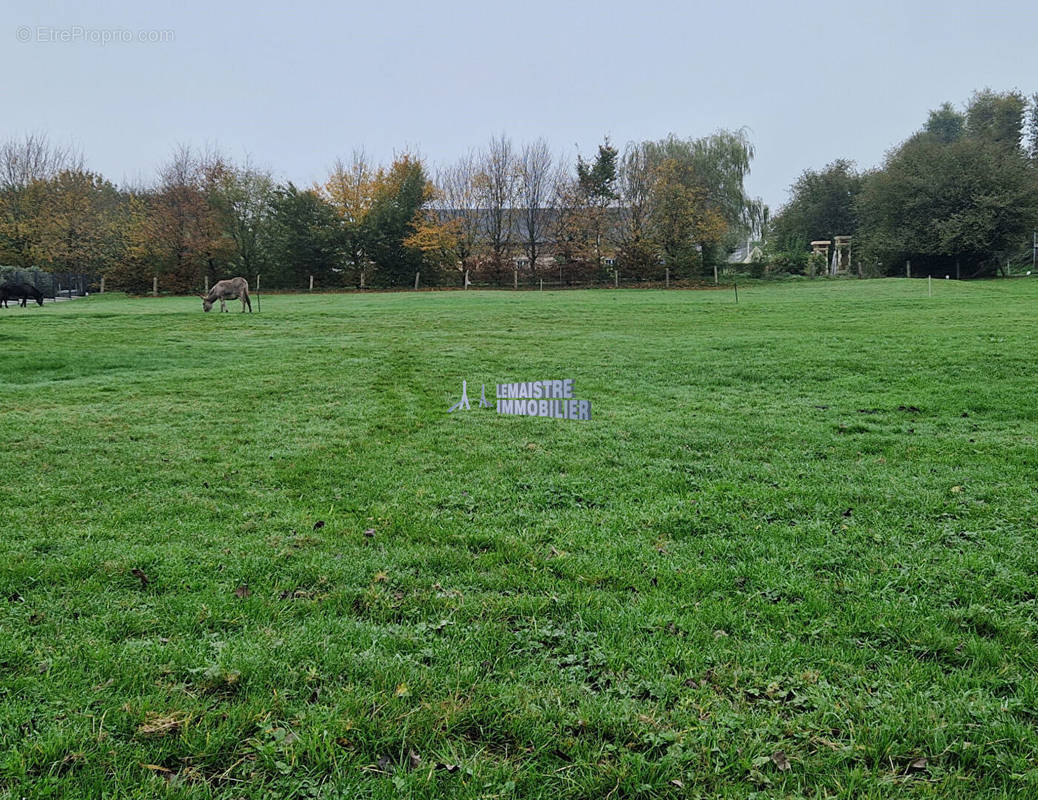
(635,181)
(34,158)
(176,230)
(24,165)
(457,204)
(497,182)
(539,180)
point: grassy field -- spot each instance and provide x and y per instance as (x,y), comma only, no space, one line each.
(793,554)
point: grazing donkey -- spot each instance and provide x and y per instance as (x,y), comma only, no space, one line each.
(228,290)
(19,291)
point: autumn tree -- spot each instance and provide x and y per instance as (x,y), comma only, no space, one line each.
(584,220)
(683,219)
(440,239)
(351,190)
(81,223)
(395,214)
(25,165)
(718,164)
(455,207)
(175,230)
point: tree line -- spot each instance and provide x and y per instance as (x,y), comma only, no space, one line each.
(958,197)
(499,213)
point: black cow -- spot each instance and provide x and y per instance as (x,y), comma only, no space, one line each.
(19,291)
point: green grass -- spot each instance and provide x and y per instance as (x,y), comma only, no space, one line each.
(803,525)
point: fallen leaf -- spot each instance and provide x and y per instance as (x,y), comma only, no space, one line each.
(369,532)
(156,768)
(919,764)
(157,724)
(139,575)
(956,489)
(779,759)
(385,765)
(319,524)
(402,690)
(451,768)
(414,760)
(677,782)
(380,577)
(243,591)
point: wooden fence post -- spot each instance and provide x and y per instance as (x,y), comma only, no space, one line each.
(715,274)
(668,277)
(155,286)
(311,283)
(515,278)
(207,284)
(102,284)
(416,276)
(362,279)
(616,279)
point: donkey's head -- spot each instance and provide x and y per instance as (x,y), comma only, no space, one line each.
(207,304)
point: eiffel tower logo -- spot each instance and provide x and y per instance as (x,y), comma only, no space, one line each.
(463,404)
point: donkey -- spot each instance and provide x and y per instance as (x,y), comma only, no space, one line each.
(19,291)
(228,290)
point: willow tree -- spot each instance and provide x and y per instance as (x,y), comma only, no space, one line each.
(717,165)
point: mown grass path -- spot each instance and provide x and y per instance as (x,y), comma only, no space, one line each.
(793,553)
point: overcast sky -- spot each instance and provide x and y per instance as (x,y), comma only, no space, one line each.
(296,84)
